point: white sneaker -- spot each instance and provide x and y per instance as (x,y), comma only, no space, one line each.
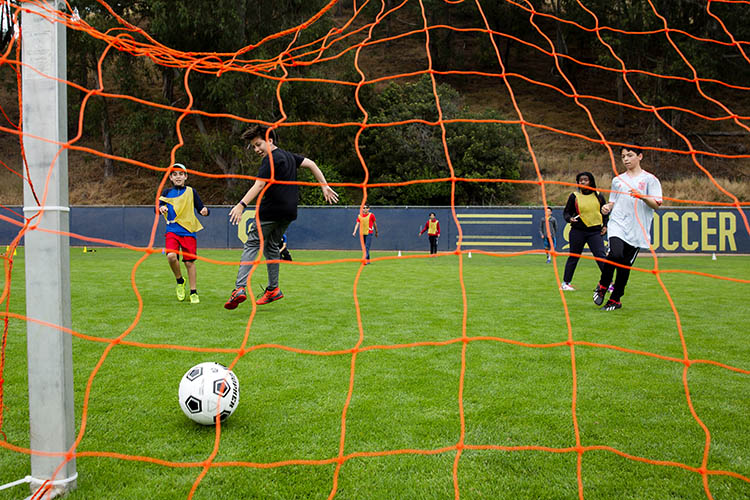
(567,287)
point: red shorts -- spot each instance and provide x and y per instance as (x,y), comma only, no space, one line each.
(188,244)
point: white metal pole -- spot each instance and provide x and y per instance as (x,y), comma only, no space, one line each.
(50,358)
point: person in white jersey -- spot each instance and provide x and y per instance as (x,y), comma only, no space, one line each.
(634,197)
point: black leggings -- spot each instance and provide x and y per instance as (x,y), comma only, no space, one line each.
(619,253)
(433,243)
(578,238)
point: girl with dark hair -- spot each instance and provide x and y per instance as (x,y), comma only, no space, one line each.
(587,225)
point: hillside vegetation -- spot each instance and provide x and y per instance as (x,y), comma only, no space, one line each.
(521,113)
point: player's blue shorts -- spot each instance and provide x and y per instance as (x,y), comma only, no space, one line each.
(546,243)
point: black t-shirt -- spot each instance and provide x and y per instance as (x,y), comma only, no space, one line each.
(280,200)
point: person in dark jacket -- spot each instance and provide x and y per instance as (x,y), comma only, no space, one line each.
(587,225)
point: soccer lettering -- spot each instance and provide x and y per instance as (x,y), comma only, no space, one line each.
(695,231)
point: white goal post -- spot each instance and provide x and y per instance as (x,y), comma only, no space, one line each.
(47,253)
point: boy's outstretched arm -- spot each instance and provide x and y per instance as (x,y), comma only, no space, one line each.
(328,193)
(235,214)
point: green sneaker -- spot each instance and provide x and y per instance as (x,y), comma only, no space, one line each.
(180,291)
(194,298)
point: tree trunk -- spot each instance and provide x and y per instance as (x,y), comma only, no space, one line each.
(167,88)
(80,70)
(676,122)
(566,67)
(620,122)
(506,56)
(109,165)
(561,46)
(219,160)
(387,45)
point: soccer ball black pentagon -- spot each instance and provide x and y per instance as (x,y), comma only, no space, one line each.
(207,390)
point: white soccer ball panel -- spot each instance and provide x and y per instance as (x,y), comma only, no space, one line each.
(208,389)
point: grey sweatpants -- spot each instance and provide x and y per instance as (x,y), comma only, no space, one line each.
(272,233)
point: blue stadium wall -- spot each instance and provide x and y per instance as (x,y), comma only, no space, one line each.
(497,229)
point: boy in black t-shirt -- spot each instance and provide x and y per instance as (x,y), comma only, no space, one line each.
(278,208)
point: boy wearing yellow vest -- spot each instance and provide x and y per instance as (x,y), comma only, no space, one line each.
(178,205)
(432,226)
(367,226)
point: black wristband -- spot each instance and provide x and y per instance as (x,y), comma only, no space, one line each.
(243,204)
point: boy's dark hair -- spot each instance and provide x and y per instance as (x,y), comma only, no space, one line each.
(258,130)
(432,213)
(634,147)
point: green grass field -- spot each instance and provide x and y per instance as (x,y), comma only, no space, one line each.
(506,394)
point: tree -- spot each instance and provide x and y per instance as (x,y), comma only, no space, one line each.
(486,150)
(83,59)
(654,52)
(414,151)
(226,27)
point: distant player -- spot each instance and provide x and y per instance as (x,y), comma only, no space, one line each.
(432,226)
(284,250)
(178,205)
(634,197)
(278,208)
(552,230)
(367,226)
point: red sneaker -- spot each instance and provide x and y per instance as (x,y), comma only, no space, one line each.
(611,305)
(238,297)
(599,293)
(270,295)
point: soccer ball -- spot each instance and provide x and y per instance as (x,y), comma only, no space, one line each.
(207,390)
